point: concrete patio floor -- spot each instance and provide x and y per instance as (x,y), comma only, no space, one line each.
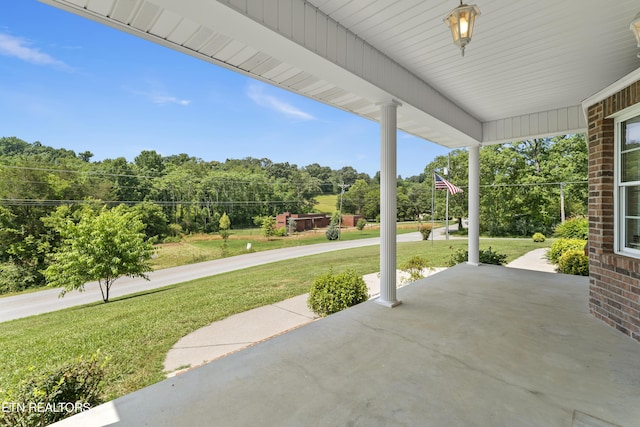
(470,346)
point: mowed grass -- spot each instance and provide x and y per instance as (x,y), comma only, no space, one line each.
(137,331)
(326,203)
(207,247)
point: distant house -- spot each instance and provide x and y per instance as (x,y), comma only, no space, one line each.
(303,221)
(350,220)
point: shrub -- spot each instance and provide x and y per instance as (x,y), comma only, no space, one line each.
(332,233)
(539,237)
(561,246)
(331,293)
(414,267)
(281,232)
(361,224)
(425,230)
(15,278)
(50,397)
(175,230)
(574,262)
(457,257)
(573,228)
(487,256)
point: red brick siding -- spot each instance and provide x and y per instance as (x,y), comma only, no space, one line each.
(614,283)
(303,221)
(350,220)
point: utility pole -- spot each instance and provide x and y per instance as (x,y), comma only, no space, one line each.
(562,217)
(342,186)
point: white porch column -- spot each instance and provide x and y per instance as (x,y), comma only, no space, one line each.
(474,205)
(388,203)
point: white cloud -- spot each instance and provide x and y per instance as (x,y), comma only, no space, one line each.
(19,48)
(166,99)
(256,93)
(157,95)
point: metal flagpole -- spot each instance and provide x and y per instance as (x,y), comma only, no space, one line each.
(446,172)
(447,214)
(433,204)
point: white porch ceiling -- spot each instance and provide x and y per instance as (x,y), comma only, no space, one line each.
(525,74)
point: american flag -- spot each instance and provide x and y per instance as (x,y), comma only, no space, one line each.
(443,184)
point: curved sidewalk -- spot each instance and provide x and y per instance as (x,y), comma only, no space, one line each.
(245,329)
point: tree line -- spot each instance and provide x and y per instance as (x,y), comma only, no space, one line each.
(524,187)
(171,195)
(520,193)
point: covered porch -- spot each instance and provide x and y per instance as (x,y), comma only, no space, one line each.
(470,346)
(530,67)
(473,346)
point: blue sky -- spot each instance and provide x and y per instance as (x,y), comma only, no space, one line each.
(69,82)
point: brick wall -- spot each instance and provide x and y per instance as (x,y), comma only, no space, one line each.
(350,220)
(614,283)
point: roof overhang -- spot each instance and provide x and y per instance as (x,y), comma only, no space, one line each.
(355,56)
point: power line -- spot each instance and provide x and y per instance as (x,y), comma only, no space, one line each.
(528,184)
(51,202)
(531,184)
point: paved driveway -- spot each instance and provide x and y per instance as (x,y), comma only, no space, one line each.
(47,300)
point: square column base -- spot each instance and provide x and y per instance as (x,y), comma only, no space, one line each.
(389,304)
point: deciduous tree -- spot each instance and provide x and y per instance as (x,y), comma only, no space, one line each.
(100,247)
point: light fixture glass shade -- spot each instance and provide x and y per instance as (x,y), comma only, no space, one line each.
(460,20)
(635,27)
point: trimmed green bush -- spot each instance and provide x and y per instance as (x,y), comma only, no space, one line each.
(574,262)
(331,293)
(49,397)
(539,237)
(487,256)
(333,232)
(561,246)
(361,224)
(573,228)
(425,230)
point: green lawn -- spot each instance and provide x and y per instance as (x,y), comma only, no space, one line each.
(137,331)
(326,203)
(207,247)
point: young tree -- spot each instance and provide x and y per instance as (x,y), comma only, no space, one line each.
(101,247)
(268,226)
(225,225)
